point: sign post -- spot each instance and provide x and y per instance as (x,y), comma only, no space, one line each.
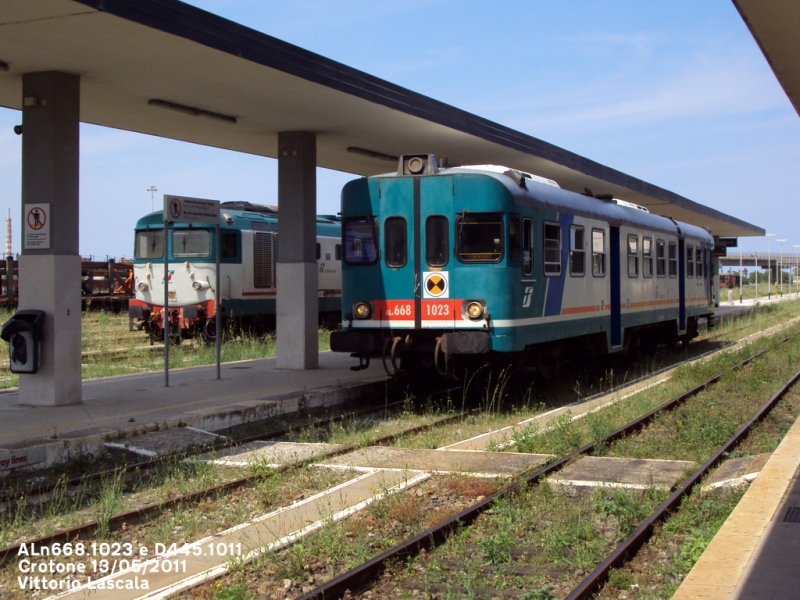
(180,209)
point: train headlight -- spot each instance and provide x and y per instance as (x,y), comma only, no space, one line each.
(142,287)
(362,310)
(201,285)
(475,310)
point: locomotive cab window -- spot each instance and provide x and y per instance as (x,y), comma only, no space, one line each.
(647,257)
(479,237)
(527,247)
(673,259)
(633,256)
(361,241)
(149,244)
(661,258)
(699,262)
(191,243)
(598,252)
(437,241)
(395,242)
(577,261)
(230,245)
(552,249)
(689,260)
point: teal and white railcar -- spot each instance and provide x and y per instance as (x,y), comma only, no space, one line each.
(478,262)
(249,246)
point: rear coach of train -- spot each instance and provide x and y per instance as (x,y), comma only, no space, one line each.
(448,266)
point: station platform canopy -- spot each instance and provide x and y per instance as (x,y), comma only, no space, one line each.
(774,26)
(165,68)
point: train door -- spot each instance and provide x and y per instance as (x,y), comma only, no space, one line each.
(398,259)
(436,302)
(616,292)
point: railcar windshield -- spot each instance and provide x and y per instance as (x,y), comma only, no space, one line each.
(149,244)
(479,237)
(191,243)
(361,241)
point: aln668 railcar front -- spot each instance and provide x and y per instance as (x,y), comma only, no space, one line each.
(447,266)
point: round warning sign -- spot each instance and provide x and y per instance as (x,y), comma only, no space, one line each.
(435,285)
(37,218)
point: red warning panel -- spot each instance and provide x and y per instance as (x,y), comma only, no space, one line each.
(394,310)
(439,310)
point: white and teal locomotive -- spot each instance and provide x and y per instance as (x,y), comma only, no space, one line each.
(444,266)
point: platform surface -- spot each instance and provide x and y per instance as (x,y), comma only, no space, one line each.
(195,397)
(756,553)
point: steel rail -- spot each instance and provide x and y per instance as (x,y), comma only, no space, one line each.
(150,463)
(149,511)
(361,577)
(631,545)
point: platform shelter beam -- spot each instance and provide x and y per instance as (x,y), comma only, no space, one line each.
(50,265)
(297,302)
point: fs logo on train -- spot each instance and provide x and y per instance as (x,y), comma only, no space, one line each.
(435,284)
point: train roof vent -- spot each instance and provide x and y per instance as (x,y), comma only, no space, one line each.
(514,174)
(267,209)
(417,164)
(627,204)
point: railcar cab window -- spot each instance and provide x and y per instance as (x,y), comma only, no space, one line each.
(633,256)
(661,258)
(527,247)
(437,241)
(149,244)
(395,242)
(361,241)
(699,268)
(647,257)
(689,260)
(577,261)
(598,252)
(673,259)
(513,239)
(191,243)
(479,237)
(552,249)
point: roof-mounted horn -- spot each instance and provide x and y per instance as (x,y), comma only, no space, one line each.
(417,164)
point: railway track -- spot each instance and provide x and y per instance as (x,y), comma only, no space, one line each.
(145,513)
(364,576)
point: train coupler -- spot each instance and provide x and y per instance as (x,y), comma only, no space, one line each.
(363,362)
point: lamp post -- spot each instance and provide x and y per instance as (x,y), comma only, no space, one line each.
(769,265)
(780,269)
(756,271)
(796,269)
(152,189)
(740,275)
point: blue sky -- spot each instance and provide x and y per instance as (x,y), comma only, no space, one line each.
(675,93)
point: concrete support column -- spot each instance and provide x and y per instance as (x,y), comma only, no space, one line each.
(297,302)
(49,272)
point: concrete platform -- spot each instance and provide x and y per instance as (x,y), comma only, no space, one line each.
(623,473)
(438,461)
(756,553)
(115,408)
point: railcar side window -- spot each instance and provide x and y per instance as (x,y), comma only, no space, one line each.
(149,244)
(395,242)
(673,259)
(699,262)
(647,257)
(661,259)
(552,249)
(577,262)
(479,237)
(689,260)
(437,241)
(361,241)
(598,252)
(527,247)
(338,252)
(513,239)
(191,243)
(633,256)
